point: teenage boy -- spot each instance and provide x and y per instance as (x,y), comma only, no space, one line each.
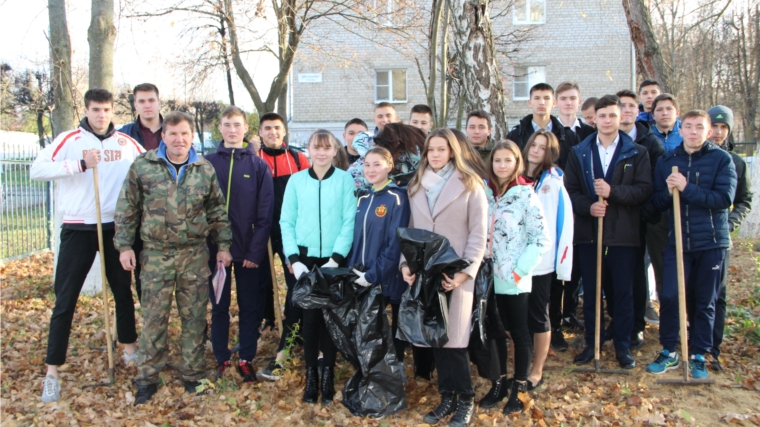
(608,164)
(147,131)
(352,128)
(648,91)
(568,103)
(283,162)
(706,179)
(384,113)
(246,184)
(641,134)
(667,125)
(722,119)
(541,103)
(70,160)
(588,111)
(421,117)
(478,130)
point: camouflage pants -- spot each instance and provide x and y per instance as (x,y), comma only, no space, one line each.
(183,273)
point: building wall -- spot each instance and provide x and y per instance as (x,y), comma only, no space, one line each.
(586,41)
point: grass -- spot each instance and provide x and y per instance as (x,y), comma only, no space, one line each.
(24,231)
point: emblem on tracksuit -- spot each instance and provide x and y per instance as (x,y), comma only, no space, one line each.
(380,211)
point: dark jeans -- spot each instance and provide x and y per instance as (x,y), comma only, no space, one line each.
(657,239)
(75,257)
(720,307)
(702,271)
(617,284)
(453,371)
(513,310)
(249,287)
(640,285)
(315,335)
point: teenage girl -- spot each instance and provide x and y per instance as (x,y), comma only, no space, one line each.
(317,223)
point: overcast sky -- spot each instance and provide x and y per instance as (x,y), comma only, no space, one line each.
(145,51)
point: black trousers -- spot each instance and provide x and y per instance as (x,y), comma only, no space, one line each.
(315,335)
(398,344)
(720,307)
(563,300)
(75,257)
(291,313)
(453,371)
(657,239)
(640,283)
(513,310)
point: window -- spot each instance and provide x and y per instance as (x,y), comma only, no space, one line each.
(390,85)
(524,79)
(529,12)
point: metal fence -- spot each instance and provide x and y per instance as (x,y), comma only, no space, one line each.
(27,208)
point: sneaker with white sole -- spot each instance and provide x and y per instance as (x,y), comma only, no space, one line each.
(51,390)
(273,372)
(129,358)
(665,361)
(650,315)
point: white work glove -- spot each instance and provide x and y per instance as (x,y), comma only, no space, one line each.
(330,264)
(361,281)
(299,269)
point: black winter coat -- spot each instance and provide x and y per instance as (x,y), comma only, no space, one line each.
(631,186)
(743,197)
(566,137)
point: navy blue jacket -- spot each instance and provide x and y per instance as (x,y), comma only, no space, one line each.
(705,201)
(249,200)
(133,130)
(630,180)
(378,215)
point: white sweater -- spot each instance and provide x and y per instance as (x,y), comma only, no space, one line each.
(558,211)
(61,161)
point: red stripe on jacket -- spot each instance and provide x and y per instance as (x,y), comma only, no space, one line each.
(57,149)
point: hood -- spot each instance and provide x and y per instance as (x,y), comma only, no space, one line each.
(160,154)
(642,131)
(706,148)
(84,124)
(246,150)
(521,180)
(274,152)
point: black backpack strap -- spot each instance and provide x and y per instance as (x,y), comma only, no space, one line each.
(294,153)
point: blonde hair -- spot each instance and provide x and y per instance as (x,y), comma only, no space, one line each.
(494,181)
(470,177)
(383,152)
(323,138)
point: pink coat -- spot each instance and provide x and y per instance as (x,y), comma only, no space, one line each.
(460,216)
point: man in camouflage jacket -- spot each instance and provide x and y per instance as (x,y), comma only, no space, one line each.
(174,196)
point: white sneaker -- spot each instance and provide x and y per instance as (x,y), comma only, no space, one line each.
(51,390)
(129,358)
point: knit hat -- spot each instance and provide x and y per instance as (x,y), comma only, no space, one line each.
(721,114)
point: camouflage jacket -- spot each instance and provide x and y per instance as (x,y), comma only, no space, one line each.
(173,211)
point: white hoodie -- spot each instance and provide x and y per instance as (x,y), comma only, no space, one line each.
(61,161)
(558,211)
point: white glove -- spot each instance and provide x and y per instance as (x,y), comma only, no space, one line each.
(330,264)
(361,281)
(299,269)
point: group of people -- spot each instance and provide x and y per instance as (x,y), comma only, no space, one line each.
(528,204)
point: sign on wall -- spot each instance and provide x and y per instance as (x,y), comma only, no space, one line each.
(309,77)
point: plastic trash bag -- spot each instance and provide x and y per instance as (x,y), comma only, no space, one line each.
(358,325)
(423,312)
(487,326)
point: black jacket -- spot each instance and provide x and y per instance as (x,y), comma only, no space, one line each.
(743,197)
(646,138)
(565,136)
(631,186)
(584,131)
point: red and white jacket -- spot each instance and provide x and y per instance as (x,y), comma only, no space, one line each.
(61,161)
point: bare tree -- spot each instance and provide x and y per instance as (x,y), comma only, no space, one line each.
(64,113)
(648,53)
(101,37)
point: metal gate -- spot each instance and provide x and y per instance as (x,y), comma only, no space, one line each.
(27,209)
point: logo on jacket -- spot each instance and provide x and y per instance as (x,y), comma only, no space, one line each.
(545,189)
(122,142)
(380,211)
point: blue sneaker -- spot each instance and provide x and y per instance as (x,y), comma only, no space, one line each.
(665,361)
(697,366)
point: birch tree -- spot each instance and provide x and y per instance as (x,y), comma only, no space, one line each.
(101,37)
(64,113)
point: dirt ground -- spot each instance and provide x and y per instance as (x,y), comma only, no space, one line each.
(566,399)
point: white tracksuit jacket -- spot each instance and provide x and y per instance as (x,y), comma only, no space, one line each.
(558,211)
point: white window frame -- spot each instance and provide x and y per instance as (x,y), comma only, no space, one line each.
(390,85)
(525,18)
(535,74)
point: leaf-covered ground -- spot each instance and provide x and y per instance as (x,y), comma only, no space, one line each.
(567,398)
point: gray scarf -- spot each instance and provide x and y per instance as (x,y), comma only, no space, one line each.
(433,182)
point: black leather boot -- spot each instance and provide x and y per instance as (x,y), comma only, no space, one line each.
(311,390)
(514,404)
(446,407)
(465,408)
(328,384)
(498,392)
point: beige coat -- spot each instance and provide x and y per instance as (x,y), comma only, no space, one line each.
(460,216)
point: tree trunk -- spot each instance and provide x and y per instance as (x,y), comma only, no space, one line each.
(473,41)
(226,60)
(648,53)
(282,103)
(101,37)
(60,68)
(444,111)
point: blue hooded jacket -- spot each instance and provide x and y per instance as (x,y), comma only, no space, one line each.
(705,201)
(378,215)
(671,140)
(248,191)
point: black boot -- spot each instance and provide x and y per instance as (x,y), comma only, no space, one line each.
(465,408)
(498,392)
(558,342)
(328,384)
(446,407)
(514,404)
(311,390)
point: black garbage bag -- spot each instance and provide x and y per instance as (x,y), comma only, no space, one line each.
(487,326)
(358,325)
(423,312)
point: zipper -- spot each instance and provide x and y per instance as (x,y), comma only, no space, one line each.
(319,208)
(364,227)
(229,181)
(712,224)
(688,229)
